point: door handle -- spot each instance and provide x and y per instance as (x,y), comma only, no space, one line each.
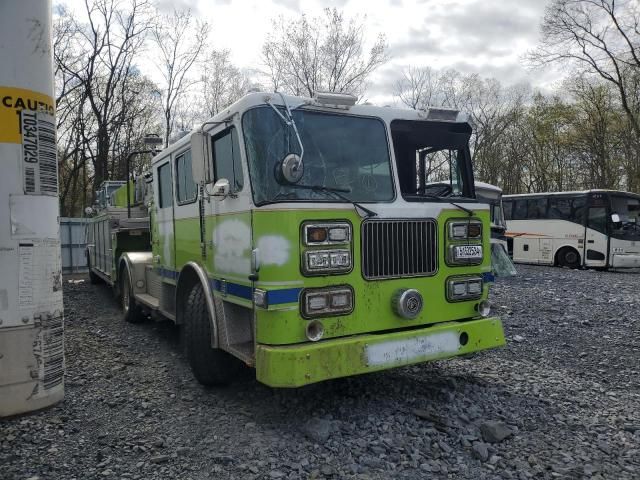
(591,241)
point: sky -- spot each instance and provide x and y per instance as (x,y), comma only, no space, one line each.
(488,37)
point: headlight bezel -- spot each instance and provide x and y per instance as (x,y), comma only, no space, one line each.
(328,226)
(328,293)
(331,268)
(450,283)
(455,239)
(329,248)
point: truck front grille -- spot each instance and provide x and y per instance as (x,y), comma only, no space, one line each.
(399,248)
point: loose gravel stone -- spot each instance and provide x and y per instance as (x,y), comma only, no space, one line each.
(569,393)
(494,431)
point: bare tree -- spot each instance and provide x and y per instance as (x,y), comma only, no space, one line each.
(104,50)
(600,37)
(222,82)
(180,39)
(323,53)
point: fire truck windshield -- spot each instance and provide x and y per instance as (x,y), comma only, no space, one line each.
(341,152)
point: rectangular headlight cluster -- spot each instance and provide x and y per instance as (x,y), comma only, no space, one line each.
(464,288)
(322,302)
(330,261)
(326,233)
(326,260)
(464,242)
(465,230)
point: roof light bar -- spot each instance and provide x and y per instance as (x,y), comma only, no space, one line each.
(330,99)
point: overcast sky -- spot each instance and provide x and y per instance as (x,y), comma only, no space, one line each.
(483,36)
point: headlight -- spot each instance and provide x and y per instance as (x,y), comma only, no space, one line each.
(464,288)
(465,230)
(338,233)
(327,261)
(322,302)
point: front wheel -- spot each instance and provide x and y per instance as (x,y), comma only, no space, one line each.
(569,257)
(131,311)
(210,366)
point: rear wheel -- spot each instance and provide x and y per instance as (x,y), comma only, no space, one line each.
(131,311)
(210,366)
(569,257)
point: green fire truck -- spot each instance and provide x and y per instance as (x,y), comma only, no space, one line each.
(309,238)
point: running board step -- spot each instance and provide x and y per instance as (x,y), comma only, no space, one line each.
(148,300)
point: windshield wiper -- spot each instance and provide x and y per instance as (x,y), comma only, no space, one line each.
(338,192)
(437,197)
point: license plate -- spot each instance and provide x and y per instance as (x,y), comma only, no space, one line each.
(402,352)
(468,251)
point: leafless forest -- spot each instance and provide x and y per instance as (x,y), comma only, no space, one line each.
(583,134)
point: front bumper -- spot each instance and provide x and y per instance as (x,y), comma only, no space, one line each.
(626,260)
(301,364)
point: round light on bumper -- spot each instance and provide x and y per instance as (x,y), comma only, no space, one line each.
(407,303)
(484,308)
(314,330)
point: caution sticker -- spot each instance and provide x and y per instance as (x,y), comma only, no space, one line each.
(12,102)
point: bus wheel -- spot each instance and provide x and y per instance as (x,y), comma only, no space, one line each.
(568,257)
(210,366)
(131,311)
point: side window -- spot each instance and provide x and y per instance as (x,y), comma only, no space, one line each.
(536,208)
(598,219)
(186,189)
(226,159)
(520,210)
(559,208)
(577,210)
(507,205)
(164,184)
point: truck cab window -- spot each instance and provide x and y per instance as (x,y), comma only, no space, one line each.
(164,184)
(226,159)
(186,189)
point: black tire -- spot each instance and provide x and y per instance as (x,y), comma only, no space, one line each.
(210,366)
(131,311)
(93,278)
(569,257)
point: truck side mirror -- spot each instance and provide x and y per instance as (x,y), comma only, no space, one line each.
(200,142)
(220,189)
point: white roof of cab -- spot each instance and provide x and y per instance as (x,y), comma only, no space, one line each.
(260,98)
(487,187)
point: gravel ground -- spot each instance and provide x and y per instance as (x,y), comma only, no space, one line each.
(562,400)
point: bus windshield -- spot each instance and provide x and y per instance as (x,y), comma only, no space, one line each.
(340,152)
(625,216)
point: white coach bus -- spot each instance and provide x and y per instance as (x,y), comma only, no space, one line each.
(592,228)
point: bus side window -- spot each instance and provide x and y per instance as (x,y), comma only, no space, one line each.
(507,205)
(597,219)
(226,158)
(559,208)
(520,210)
(536,208)
(578,205)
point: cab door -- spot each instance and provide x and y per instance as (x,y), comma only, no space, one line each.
(162,228)
(228,223)
(596,247)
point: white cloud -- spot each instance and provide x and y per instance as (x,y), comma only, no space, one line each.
(484,36)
